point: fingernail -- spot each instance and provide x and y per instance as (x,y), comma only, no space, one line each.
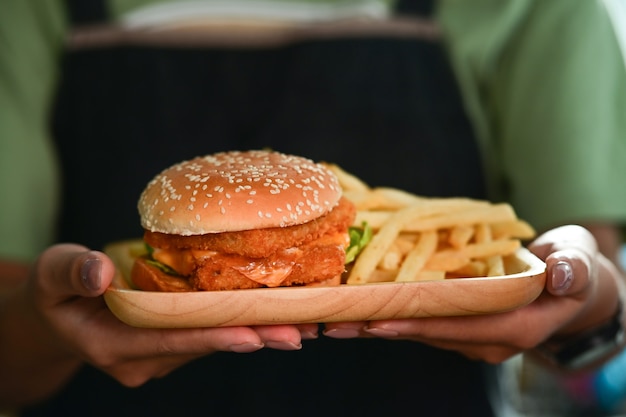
(306,335)
(90,274)
(341,333)
(282,345)
(245,347)
(377,331)
(561,276)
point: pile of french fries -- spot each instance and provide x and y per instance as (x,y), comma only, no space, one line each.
(417,238)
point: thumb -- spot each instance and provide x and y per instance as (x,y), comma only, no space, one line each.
(570,272)
(570,253)
(68,270)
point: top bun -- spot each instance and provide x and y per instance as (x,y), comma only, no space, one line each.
(234,191)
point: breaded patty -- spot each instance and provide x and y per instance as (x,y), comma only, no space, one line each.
(307,264)
(259,243)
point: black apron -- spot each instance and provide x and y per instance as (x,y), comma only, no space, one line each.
(385,108)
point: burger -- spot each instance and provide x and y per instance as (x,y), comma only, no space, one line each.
(240,220)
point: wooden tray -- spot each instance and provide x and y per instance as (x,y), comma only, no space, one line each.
(376,301)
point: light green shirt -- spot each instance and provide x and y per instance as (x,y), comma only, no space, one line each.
(30,35)
(544,84)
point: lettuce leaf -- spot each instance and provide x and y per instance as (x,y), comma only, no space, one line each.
(151,261)
(359,238)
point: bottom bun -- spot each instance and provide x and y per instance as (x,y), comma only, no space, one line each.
(150,278)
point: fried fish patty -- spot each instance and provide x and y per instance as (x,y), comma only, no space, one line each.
(310,263)
(260,243)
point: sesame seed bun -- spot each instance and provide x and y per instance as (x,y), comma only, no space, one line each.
(236,191)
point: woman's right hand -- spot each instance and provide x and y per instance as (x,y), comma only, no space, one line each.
(58,320)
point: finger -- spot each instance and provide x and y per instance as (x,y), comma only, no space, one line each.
(521,329)
(490,329)
(67,270)
(308,331)
(570,272)
(570,253)
(345,330)
(281,337)
(495,352)
(564,237)
(160,343)
(154,353)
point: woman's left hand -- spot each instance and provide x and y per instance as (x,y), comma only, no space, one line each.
(581,291)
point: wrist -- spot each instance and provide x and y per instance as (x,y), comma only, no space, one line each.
(34,363)
(589,347)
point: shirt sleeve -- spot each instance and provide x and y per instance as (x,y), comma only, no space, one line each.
(30,37)
(545,85)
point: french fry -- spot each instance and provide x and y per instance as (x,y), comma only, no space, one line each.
(427,275)
(363,201)
(448,260)
(483,233)
(380,275)
(496,212)
(460,235)
(392,259)
(393,199)
(516,228)
(451,259)
(475,268)
(374,218)
(347,181)
(418,256)
(495,266)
